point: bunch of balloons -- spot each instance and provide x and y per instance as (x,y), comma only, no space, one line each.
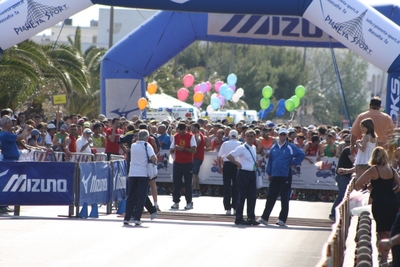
(199,90)
(265,102)
(292,103)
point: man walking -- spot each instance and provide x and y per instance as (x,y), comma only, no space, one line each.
(283,155)
(246,179)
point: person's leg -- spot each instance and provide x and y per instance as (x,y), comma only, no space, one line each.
(273,192)
(396,249)
(342,182)
(187,176)
(130,202)
(149,206)
(226,180)
(177,182)
(251,195)
(241,195)
(384,254)
(141,195)
(153,188)
(285,189)
(234,187)
(195,174)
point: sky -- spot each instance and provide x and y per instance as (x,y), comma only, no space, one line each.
(84,17)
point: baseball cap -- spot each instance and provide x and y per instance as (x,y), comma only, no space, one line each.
(64,127)
(282,130)
(270,124)
(51,126)
(87,130)
(35,132)
(311,127)
(291,130)
(233,134)
(86,124)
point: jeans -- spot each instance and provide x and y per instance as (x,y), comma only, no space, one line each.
(179,170)
(137,193)
(278,186)
(342,182)
(246,188)
(229,173)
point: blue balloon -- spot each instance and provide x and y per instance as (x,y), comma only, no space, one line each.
(270,108)
(280,112)
(281,103)
(260,113)
(228,94)
(223,89)
(215,103)
(232,79)
(264,114)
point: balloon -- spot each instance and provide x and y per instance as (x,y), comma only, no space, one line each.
(142,103)
(300,91)
(267,92)
(223,89)
(263,114)
(228,94)
(210,109)
(233,87)
(198,97)
(217,85)
(281,103)
(240,92)
(203,88)
(289,105)
(152,88)
(183,94)
(270,108)
(296,101)
(215,103)
(221,100)
(188,80)
(196,88)
(214,95)
(198,104)
(232,79)
(280,112)
(209,85)
(264,103)
(235,98)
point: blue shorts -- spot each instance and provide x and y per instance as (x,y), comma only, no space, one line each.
(196,166)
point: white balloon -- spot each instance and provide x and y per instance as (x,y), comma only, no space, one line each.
(240,92)
(214,95)
(210,109)
(235,98)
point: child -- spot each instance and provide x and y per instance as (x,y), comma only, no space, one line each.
(365,146)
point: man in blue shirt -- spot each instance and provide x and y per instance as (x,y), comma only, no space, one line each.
(164,137)
(282,157)
(8,139)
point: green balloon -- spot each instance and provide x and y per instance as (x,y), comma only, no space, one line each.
(296,101)
(267,92)
(289,105)
(264,103)
(300,91)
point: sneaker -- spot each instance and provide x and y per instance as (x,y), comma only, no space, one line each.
(242,222)
(157,207)
(138,223)
(126,223)
(262,221)
(228,212)
(253,222)
(175,206)
(234,212)
(153,215)
(189,206)
(280,223)
(332,218)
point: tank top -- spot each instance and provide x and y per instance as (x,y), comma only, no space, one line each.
(97,142)
(182,156)
(312,151)
(72,145)
(200,148)
(362,158)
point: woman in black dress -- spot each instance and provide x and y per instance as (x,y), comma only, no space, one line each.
(383,179)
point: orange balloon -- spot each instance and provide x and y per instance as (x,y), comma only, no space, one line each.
(142,103)
(198,97)
(152,88)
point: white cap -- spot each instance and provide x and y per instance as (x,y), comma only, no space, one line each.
(291,130)
(282,130)
(87,130)
(311,127)
(233,134)
(51,126)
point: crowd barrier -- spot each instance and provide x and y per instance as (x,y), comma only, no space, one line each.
(73,184)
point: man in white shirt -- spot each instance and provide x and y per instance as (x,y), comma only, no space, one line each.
(83,142)
(229,171)
(51,130)
(246,178)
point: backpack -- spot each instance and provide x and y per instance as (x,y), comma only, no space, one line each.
(158,143)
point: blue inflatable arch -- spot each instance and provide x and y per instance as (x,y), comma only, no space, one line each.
(366,31)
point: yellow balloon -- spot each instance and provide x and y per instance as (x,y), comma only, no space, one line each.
(198,97)
(142,103)
(152,88)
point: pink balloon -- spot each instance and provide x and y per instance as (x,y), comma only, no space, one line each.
(217,85)
(233,87)
(198,104)
(183,94)
(188,80)
(197,88)
(209,86)
(221,100)
(203,88)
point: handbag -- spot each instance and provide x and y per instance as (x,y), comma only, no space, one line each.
(259,178)
(152,170)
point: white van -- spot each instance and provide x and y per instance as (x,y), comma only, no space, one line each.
(233,116)
(174,113)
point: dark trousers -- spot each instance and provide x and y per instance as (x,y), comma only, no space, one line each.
(246,188)
(137,193)
(229,173)
(342,182)
(396,249)
(182,170)
(278,185)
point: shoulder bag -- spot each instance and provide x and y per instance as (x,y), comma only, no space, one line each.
(152,170)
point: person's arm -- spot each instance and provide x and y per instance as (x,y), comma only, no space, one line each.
(22,135)
(172,147)
(103,141)
(111,137)
(234,161)
(387,244)
(362,144)
(343,171)
(364,178)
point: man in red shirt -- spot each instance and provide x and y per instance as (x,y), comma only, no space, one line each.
(113,133)
(183,145)
(198,158)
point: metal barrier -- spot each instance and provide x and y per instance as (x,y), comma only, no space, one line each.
(60,156)
(81,157)
(116,157)
(39,155)
(100,157)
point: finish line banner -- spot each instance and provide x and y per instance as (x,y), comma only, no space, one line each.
(36,183)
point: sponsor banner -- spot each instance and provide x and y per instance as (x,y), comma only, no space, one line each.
(95,183)
(119,169)
(127,106)
(393,97)
(283,28)
(36,183)
(320,175)
(359,27)
(21,19)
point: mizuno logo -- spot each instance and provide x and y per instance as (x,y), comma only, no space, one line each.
(120,181)
(96,185)
(20,183)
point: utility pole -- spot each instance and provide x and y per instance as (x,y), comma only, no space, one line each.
(111,31)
